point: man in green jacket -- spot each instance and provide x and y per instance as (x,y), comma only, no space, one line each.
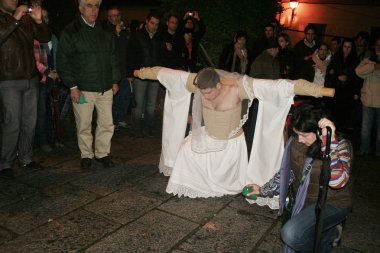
(87,64)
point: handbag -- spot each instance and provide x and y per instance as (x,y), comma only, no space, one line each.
(288,208)
(291,197)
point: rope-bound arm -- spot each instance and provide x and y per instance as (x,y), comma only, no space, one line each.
(301,87)
(306,88)
(147,73)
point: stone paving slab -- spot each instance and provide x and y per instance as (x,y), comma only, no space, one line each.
(26,215)
(70,151)
(57,157)
(342,249)
(152,159)
(123,206)
(14,191)
(101,182)
(47,177)
(271,242)
(67,234)
(133,148)
(157,232)
(71,166)
(6,235)
(228,231)
(106,181)
(154,186)
(367,213)
(361,235)
(198,210)
(243,206)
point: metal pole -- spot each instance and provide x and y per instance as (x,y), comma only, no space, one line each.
(324,179)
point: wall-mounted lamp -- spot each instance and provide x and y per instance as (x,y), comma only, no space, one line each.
(293,4)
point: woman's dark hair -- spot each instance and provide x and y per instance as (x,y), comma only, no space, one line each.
(285,36)
(352,54)
(240,34)
(305,119)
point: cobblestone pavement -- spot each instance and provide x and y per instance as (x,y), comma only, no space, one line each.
(126,209)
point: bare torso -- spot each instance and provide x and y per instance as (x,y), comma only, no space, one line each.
(227,99)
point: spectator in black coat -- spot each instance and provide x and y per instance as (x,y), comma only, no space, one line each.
(235,56)
(303,53)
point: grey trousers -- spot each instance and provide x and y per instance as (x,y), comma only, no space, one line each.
(18,107)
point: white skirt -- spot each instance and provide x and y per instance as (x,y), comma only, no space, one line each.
(211,174)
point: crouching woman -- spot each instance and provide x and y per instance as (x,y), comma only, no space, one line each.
(299,174)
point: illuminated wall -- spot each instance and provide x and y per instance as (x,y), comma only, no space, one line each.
(343,20)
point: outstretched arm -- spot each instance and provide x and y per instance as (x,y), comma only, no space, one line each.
(168,77)
(147,73)
(271,188)
(301,87)
(306,88)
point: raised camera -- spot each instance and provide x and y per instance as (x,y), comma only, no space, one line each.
(30,8)
(191,14)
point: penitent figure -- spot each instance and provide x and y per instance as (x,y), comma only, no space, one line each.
(212,161)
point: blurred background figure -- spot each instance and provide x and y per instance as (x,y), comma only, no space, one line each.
(341,76)
(145,49)
(265,66)
(48,129)
(235,56)
(362,44)
(321,59)
(334,45)
(285,56)
(121,100)
(260,44)
(303,52)
(173,44)
(193,30)
(369,70)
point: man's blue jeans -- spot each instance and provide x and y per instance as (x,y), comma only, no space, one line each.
(121,101)
(18,102)
(146,97)
(298,233)
(370,115)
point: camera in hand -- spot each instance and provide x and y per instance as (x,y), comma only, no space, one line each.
(191,13)
(122,25)
(26,2)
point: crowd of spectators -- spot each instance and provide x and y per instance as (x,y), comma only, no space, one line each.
(341,63)
(93,56)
